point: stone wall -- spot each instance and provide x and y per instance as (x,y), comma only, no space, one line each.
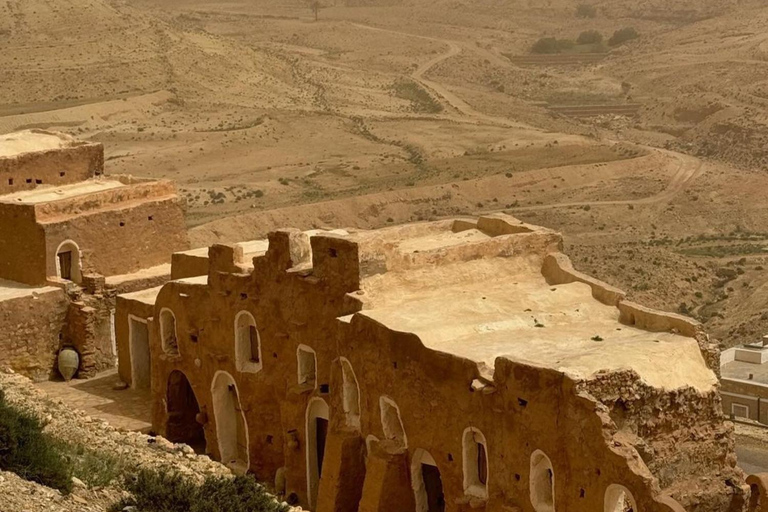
(30,332)
(22,245)
(121,240)
(59,166)
(88,330)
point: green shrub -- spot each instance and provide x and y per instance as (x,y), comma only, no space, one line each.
(421,100)
(163,491)
(622,36)
(549,45)
(590,37)
(28,452)
(586,11)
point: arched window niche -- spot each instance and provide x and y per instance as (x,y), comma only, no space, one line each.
(168,332)
(475,463)
(542,483)
(350,395)
(391,422)
(247,344)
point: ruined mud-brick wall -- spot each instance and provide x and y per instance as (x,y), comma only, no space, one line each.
(30,332)
(22,245)
(58,166)
(519,411)
(117,236)
(89,331)
(681,435)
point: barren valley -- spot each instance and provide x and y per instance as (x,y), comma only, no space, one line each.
(651,158)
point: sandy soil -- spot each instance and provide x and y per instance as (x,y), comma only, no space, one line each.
(385,112)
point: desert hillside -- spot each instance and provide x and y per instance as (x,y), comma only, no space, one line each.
(648,153)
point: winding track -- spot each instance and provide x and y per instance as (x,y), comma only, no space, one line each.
(689,168)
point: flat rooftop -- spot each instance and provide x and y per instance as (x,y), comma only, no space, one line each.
(14,290)
(148,296)
(503,307)
(32,141)
(742,370)
(46,194)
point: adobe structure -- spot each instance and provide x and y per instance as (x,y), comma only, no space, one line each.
(64,223)
(446,366)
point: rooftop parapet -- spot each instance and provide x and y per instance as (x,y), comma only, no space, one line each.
(31,158)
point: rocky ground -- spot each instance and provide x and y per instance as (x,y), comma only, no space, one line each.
(133,450)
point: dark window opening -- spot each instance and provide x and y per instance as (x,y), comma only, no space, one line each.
(253,339)
(29,180)
(433,486)
(482,464)
(150,218)
(62,174)
(321,431)
(10,181)
(122,224)
(39,182)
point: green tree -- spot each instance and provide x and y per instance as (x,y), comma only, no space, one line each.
(622,36)
(590,37)
(586,11)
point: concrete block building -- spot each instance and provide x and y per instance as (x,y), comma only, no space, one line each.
(449,366)
(744,381)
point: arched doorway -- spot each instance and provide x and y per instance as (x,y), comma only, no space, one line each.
(68,262)
(426,482)
(316,434)
(231,428)
(182,408)
(619,499)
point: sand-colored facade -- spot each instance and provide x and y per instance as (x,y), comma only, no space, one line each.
(446,366)
(67,219)
(64,222)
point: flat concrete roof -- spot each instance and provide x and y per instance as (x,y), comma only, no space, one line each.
(14,290)
(741,370)
(503,307)
(31,141)
(45,194)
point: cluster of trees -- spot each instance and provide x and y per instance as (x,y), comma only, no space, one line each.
(590,41)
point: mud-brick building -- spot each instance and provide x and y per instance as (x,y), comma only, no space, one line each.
(61,217)
(445,366)
(65,223)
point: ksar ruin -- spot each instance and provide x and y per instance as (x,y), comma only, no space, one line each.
(452,365)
